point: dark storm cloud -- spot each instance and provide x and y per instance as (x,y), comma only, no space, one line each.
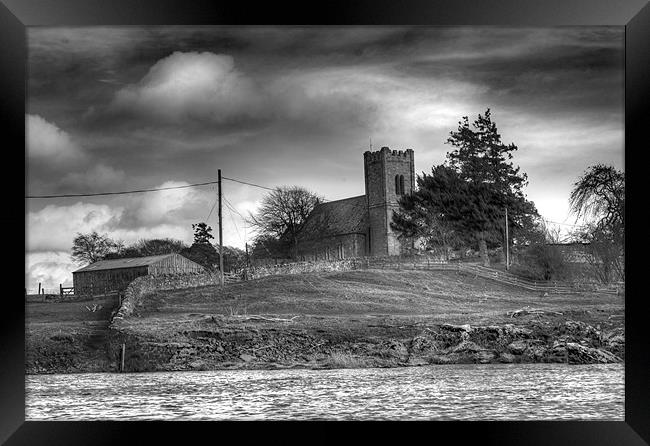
(559,76)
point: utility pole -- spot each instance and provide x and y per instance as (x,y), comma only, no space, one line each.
(507,249)
(220,232)
(248,263)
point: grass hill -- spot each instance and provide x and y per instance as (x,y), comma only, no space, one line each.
(446,296)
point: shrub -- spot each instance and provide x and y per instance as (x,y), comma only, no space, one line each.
(541,262)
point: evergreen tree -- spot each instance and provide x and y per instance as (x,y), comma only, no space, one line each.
(202,233)
(202,251)
(465,199)
(483,161)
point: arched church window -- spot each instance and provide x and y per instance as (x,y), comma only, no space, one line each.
(397,184)
(401,184)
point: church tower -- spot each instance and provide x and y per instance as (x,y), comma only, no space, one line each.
(389,174)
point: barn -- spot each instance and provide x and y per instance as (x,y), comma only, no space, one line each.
(107,276)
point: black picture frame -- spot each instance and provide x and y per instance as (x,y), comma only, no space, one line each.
(15,15)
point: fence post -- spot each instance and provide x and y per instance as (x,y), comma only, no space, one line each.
(122,357)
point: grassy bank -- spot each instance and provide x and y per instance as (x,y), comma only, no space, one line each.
(338,319)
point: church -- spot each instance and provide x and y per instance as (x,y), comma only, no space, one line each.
(360,226)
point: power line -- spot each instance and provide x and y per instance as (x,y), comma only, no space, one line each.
(155,190)
(122,192)
(148,190)
(250,184)
(558,223)
(232,218)
(212,209)
(232,208)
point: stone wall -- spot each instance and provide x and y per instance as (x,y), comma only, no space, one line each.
(388,262)
(307,267)
(144,285)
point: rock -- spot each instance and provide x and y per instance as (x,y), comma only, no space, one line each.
(584,355)
(537,352)
(451,327)
(466,346)
(484,356)
(507,358)
(614,338)
(518,347)
(515,331)
(199,364)
(246,358)
(580,328)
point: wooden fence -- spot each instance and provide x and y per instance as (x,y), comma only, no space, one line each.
(65,291)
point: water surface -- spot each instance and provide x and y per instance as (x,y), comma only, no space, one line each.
(437,392)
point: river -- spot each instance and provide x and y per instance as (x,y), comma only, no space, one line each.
(436,392)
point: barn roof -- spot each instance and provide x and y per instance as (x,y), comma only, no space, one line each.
(123,263)
(347,216)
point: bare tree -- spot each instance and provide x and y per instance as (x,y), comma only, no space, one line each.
(599,194)
(283,213)
(90,248)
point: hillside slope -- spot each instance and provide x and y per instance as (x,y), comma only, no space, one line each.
(362,318)
(447,296)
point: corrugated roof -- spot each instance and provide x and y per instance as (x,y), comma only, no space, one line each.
(336,217)
(123,263)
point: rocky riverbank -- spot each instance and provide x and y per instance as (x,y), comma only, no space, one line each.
(218,342)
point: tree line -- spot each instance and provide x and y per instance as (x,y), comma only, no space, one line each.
(92,247)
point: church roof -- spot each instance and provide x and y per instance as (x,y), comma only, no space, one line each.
(338,217)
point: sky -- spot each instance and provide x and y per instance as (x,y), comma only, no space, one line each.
(126,108)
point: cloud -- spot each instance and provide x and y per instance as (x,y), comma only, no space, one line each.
(48,268)
(99,177)
(48,143)
(68,220)
(167,213)
(192,85)
(173,206)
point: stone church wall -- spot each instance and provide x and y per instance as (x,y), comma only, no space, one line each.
(331,248)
